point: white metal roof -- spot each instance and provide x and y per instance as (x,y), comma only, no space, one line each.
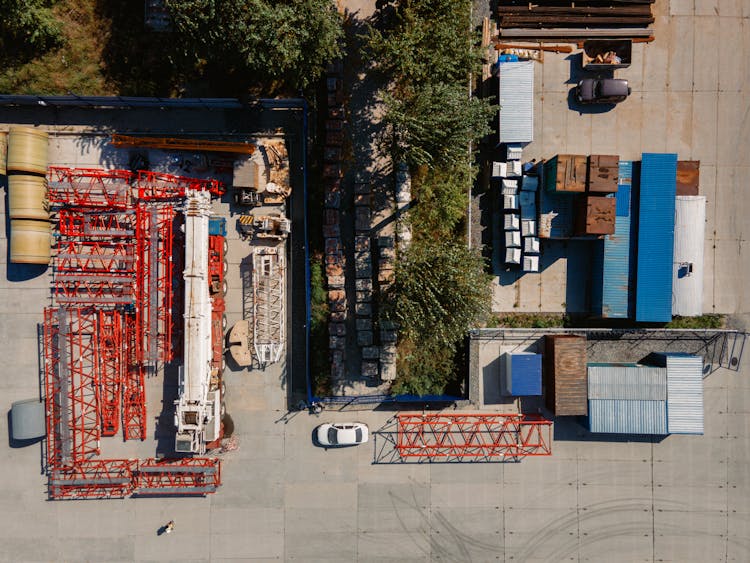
(689,236)
(516,98)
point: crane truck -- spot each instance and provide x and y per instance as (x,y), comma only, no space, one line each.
(199,407)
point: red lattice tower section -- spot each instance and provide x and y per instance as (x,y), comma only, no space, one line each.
(90,187)
(473,437)
(157,186)
(71,385)
(133,392)
(111,369)
(185,476)
(101,478)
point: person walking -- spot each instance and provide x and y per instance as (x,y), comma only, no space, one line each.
(169,527)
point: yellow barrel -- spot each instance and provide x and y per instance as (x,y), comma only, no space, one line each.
(30,241)
(27,150)
(3,153)
(27,197)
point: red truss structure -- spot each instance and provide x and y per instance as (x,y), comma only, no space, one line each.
(90,187)
(111,369)
(96,257)
(473,437)
(184,476)
(133,392)
(71,385)
(156,186)
(103,478)
(80,223)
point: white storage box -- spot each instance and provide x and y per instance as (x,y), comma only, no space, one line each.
(512,255)
(515,168)
(512,239)
(530,245)
(514,152)
(499,169)
(510,202)
(512,222)
(528,228)
(531,263)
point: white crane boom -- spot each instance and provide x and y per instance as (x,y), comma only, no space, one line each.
(197,409)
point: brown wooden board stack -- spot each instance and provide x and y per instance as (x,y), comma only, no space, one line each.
(595,215)
(565,376)
(566,173)
(603,173)
(688,177)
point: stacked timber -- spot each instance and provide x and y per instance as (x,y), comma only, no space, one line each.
(556,19)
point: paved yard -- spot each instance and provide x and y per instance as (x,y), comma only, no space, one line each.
(690,89)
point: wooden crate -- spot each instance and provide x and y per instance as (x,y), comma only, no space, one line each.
(603,173)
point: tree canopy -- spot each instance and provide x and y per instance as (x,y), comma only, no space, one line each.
(283,41)
(27,29)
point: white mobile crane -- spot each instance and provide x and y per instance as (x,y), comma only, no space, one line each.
(198,408)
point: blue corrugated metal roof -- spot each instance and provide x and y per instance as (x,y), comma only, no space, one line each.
(619,416)
(615,254)
(526,375)
(684,392)
(653,298)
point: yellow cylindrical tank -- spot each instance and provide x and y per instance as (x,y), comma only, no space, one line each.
(27,197)
(27,150)
(30,241)
(3,153)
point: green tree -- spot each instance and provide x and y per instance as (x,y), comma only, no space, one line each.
(287,42)
(428,41)
(435,123)
(439,200)
(28,28)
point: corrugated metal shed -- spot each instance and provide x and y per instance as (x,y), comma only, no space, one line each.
(687,269)
(630,382)
(516,98)
(619,416)
(684,392)
(653,298)
(565,376)
(523,374)
(610,294)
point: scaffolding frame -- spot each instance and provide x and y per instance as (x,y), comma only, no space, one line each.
(93,479)
(269,322)
(90,187)
(183,476)
(453,437)
(111,369)
(133,391)
(72,384)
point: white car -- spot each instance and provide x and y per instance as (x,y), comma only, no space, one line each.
(342,434)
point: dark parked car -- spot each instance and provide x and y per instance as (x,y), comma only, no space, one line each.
(602,90)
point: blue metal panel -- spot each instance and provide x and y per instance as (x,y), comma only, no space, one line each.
(217,226)
(616,416)
(526,374)
(653,298)
(610,300)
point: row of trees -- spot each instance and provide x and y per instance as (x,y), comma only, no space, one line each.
(428,51)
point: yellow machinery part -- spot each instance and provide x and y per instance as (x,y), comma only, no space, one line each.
(182,144)
(27,150)
(27,197)
(30,241)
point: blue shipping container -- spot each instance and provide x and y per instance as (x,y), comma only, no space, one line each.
(523,375)
(616,274)
(653,296)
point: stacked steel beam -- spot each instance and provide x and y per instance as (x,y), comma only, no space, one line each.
(555,19)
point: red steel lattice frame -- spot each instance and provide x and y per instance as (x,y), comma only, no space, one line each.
(111,369)
(157,186)
(96,257)
(179,476)
(101,478)
(79,223)
(72,386)
(133,392)
(473,436)
(90,187)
